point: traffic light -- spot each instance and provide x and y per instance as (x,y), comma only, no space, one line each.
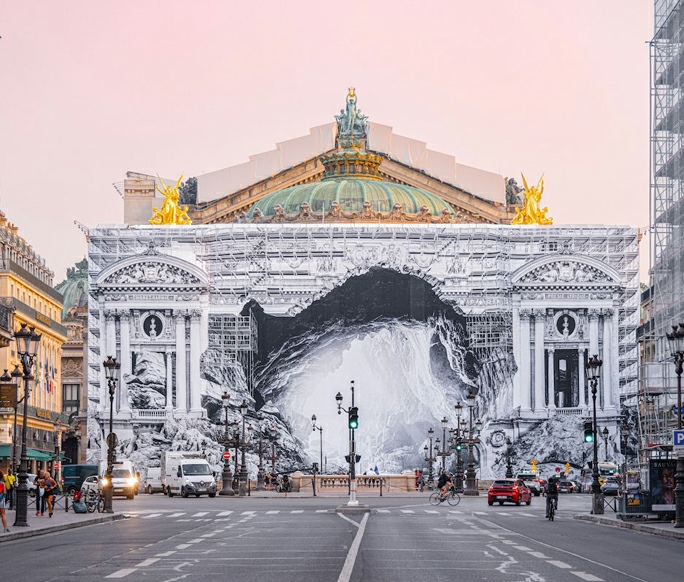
(588,432)
(347,457)
(459,445)
(353,417)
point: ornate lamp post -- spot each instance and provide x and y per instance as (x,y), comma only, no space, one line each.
(459,447)
(273,458)
(16,377)
(430,459)
(260,473)
(227,476)
(444,452)
(57,467)
(605,434)
(315,428)
(27,347)
(509,467)
(594,373)
(352,423)
(676,339)
(111,367)
(473,438)
(243,448)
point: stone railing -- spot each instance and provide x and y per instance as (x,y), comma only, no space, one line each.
(569,411)
(364,483)
(148,413)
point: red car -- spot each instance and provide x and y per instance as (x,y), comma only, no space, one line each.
(513,490)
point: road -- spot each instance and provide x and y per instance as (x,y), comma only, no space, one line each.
(303,539)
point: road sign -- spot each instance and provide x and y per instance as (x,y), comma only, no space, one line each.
(557,469)
(56,465)
(226,455)
(678,438)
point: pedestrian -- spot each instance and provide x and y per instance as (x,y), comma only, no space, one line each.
(2,502)
(10,484)
(40,490)
(50,487)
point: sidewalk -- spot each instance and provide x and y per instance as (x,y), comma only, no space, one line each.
(60,521)
(664,529)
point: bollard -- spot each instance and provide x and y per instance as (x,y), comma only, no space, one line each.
(380,487)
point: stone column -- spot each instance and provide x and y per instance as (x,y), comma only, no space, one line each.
(103,380)
(195,353)
(539,379)
(110,343)
(126,369)
(181,394)
(607,369)
(525,375)
(582,379)
(551,379)
(593,333)
(516,355)
(169,379)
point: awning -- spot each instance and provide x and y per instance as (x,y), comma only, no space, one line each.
(33,454)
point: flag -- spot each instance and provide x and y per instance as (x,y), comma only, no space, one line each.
(52,380)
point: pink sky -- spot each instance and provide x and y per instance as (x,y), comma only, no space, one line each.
(90,90)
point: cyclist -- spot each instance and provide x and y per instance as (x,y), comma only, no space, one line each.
(551,494)
(442,484)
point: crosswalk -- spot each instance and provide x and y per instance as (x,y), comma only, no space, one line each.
(226,515)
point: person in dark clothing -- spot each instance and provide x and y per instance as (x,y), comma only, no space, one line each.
(442,483)
(551,494)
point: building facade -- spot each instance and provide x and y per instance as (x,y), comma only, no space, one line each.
(26,287)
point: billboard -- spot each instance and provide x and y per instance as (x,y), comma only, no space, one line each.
(662,472)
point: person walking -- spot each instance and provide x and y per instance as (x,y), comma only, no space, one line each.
(3,496)
(40,493)
(10,483)
(50,486)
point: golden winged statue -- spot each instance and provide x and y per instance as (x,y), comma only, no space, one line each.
(170,212)
(531,212)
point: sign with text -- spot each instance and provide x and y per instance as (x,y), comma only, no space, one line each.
(678,438)
(8,395)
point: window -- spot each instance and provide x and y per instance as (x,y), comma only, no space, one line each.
(70,398)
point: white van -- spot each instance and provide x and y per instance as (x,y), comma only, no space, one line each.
(187,474)
(124,480)
(153,483)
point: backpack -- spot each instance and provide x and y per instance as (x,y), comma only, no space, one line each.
(2,491)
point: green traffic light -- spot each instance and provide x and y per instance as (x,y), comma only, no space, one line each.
(353,423)
(588,438)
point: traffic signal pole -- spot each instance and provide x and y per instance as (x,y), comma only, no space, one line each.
(352,454)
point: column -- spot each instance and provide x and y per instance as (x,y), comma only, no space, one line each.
(593,332)
(551,380)
(195,353)
(525,376)
(126,369)
(516,356)
(169,379)
(582,379)
(607,368)
(181,395)
(103,381)
(539,320)
(110,343)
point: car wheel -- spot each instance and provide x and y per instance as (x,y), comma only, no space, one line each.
(212,495)
(197,494)
(490,502)
(168,492)
(518,502)
(148,489)
(130,496)
(184,493)
(529,500)
(537,493)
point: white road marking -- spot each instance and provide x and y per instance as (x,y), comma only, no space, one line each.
(248,512)
(407,511)
(539,555)
(383,511)
(200,514)
(196,541)
(122,573)
(523,548)
(431,511)
(272,512)
(480,512)
(209,535)
(177,514)
(559,564)
(528,514)
(587,577)
(455,511)
(297,511)
(147,562)
(224,513)
(183,520)
(503,513)
(166,554)
(321,511)
(151,515)
(508,542)
(348,567)
(182,546)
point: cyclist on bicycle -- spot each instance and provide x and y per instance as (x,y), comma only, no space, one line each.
(551,494)
(442,483)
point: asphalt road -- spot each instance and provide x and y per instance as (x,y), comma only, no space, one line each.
(303,539)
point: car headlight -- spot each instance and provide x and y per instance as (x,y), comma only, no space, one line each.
(131,481)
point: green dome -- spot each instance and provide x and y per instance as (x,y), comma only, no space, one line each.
(350,193)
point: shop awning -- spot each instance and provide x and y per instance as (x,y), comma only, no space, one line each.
(33,454)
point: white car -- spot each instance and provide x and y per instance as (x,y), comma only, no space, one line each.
(91,483)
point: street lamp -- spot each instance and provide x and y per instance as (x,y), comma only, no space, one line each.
(27,347)
(430,459)
(676,339)
(243,446)
(473,438)
(315,428)
(593,367)
(352,423)
(57,467)
(227,476)
(273,458)
(605,434)
(444,452)
(10,389)
(260,473)
(509,467)
(111,367)
(459,446)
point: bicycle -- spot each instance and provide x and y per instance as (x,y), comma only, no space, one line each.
(93,500)
(452,498)
(551,508)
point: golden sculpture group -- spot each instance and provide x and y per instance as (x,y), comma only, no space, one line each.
(531,213)
(170,212)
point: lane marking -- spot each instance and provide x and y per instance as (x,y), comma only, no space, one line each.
(151,515)
(182,546)
(297,511)
(166,554)
(209,535)
(480,513)
(587,577)
(196,541)
(177,514)
(224,513)
(559,564)
(345,574)
(122,573)
(407,511)
(200,514)
(455,511)
(383,511)
(539,555)
(431,511)
(348,519)
(527,514)
(321,511)
(523,548)
(272,512)
(248,513)
(503,513)
(147,562)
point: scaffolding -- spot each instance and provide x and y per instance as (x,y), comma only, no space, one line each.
(664,303)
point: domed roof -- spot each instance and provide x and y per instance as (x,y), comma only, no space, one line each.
(350,193)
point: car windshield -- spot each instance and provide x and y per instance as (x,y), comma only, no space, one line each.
(502,483)
(120,473)
(197,469)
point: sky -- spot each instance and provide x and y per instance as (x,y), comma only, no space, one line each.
(90,90)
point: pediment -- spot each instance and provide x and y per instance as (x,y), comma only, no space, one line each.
(152,271)
(566,270)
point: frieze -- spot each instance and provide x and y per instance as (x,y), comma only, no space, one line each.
(566,272)
(151,272)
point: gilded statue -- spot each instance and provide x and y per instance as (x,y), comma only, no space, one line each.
(170,212)
(351,123)
(531,212)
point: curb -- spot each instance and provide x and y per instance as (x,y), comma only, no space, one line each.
(640,527)
(30,533)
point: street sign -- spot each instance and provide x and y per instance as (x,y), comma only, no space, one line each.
(226,455)
(678,438)
(56,465)
(8,395)
(557,469)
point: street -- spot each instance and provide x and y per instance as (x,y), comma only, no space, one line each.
(301,539)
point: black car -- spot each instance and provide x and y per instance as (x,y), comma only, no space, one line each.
(566,487)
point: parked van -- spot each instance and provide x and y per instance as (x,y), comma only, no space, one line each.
(73,476)
(124,480)
(153,482)
(187,474)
